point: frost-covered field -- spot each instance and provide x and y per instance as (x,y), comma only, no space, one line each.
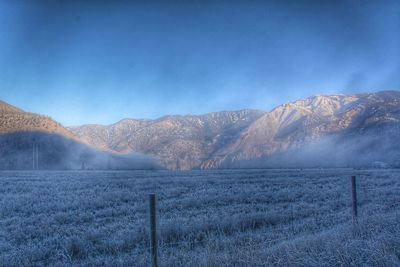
(213,218)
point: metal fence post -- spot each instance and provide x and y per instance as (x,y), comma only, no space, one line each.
(153,231)
(354,196)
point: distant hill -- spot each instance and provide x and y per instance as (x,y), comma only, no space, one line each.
(301,133)
(14,120)
(26,138)
(358,129)
(178,142)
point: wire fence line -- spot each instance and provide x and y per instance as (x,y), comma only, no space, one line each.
(346,197)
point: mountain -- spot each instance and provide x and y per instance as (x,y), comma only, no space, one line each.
(178,142)
(32,141)
(318,128)
(354,130)
(330,131)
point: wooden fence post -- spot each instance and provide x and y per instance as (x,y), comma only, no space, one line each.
(354,196)
(153,231)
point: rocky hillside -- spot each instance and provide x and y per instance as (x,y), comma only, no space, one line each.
(296,126)
(178,142)
(232,139)
(14,120)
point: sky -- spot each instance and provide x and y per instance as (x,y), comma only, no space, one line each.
(101,61)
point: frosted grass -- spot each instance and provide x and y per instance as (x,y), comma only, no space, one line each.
(206,218)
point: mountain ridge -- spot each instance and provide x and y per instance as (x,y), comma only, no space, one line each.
(283,129)
(198,133)
(228,139)
(288,126)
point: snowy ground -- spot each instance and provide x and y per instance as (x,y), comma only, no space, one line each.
(210,218)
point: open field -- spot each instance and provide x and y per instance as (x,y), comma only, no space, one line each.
(205,218)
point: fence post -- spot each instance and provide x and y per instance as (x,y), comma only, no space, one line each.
(354,196)
(153,231)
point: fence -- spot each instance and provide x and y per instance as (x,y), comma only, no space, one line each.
(154,233)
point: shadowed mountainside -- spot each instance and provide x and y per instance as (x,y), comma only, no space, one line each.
(57,152)
(57,147)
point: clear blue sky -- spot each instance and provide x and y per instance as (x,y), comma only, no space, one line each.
(101,61)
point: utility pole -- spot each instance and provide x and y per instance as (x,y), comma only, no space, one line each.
(35,156)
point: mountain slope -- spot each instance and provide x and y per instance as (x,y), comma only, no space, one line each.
(232,139)
(26,137)
(298,125)
(178,142)
(334,130)
(14,120)
(7,108)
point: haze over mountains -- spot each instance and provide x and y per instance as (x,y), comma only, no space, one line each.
(319,131)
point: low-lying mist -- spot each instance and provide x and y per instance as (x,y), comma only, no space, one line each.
(37,150)
(377,148)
